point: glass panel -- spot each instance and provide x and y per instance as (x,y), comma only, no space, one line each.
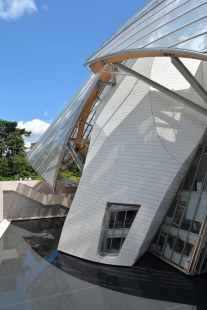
(183,34)
(187,254)
(143,41)
(199,1)
(169,218)
(204,266)
(201,173)
(200,260)
(173,14)
(205,186)
(114,228)
(182,202)
(160,244)
(203,9)
(115,246)
(167,10)
(205,22)
(50,173)
(178,215)
(125,232)
(178,248)
(46,162)
(190,211)
(154,242)
(120,217)
(168,247)
(178,22)
(200,213)
(189,180)
(112,219)
(122,240)
(103,241)
(130,216)
(108,245)
(195,44)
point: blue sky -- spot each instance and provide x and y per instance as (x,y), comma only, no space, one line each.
(43,45)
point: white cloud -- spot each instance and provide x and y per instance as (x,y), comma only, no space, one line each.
(14,9)
(46,113)
(37,127)
(44,6)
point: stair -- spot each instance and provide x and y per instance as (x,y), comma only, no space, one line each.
(45,199)
(75,157)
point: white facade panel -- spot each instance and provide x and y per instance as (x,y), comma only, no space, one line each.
(141,147)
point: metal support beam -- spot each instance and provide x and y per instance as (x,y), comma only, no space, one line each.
(112,74)
(106,83)
(79,140)
(189,77)
(163,89)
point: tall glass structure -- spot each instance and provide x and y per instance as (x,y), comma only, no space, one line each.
(182,238)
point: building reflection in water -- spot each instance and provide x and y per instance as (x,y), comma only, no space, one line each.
(34,275)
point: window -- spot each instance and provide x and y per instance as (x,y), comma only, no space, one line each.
(117,223)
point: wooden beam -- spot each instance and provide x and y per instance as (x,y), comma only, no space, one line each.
(97,65)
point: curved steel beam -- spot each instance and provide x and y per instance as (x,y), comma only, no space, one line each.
(99,63)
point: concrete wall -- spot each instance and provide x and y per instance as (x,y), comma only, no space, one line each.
(1,202)
(18,207)
(34,199)
(141,147)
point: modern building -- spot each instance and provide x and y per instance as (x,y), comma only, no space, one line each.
(141,118)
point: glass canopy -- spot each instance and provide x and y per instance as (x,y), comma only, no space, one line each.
(166,23)
(45,157)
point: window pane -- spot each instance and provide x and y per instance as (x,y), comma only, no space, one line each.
(160,244)
(178,215)
(120,217)
(178,248)
(115,246)
(168,247)
(108,245)
(130,216)
(112,219)
(114,229)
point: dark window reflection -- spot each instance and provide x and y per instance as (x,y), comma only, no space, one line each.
(130,216)
(115,246)
(112,219)
(120,217)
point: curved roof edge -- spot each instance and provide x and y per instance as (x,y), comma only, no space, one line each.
(99,63)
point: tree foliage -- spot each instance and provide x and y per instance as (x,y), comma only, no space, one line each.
(11,140)
(13,160)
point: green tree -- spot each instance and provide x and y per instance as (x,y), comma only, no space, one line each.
(5,169)
(13,160)
(11,138)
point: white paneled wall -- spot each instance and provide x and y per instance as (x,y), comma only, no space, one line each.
(141,147)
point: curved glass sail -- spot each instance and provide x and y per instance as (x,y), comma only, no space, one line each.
(45,157)
(164,24)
